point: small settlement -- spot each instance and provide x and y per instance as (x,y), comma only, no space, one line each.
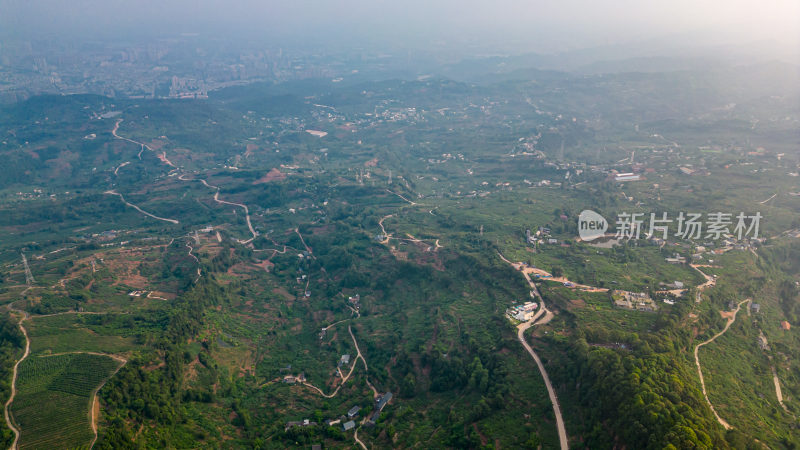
(633,300)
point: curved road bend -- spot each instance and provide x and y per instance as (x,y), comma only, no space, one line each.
(14,378)
(182,177)
(113,192)
(9,422)
(95,400)
(246,215)
(344,380)
(710,281)
(521,328)
(358,441)
(722,421)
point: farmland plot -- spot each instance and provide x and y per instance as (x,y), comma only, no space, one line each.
(52,408)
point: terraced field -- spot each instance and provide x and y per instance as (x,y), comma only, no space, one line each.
(52,407)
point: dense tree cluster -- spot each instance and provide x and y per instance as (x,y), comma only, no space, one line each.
(639,392)
(11,342)
(138,393)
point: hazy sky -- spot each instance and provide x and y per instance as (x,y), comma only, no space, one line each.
(554,25)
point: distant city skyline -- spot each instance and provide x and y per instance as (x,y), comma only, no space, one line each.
(185,49)
(507,25)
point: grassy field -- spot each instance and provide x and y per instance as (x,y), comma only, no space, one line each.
(69,333)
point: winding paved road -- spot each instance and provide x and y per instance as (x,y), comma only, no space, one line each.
(521,328)
(562,431)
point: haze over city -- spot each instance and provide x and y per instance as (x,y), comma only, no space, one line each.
(508,25)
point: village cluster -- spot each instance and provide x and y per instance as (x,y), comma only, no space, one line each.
(348,421)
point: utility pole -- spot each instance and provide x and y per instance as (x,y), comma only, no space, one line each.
(28,275)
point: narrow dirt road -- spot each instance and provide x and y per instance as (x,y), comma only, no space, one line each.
(778,392)
(95,401)
(563,280)
(352,368)
(161,156)
(191,249)
(116,171)
(308,249)
(7,410)
(182,177)
(366,374)
(112,192)
(246,215)
(358,441)
(732,319)
(114,133)
(773,196)
(395,193)
(95,408)
(364,360)
(710,281)
(386,236)
(9,421)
